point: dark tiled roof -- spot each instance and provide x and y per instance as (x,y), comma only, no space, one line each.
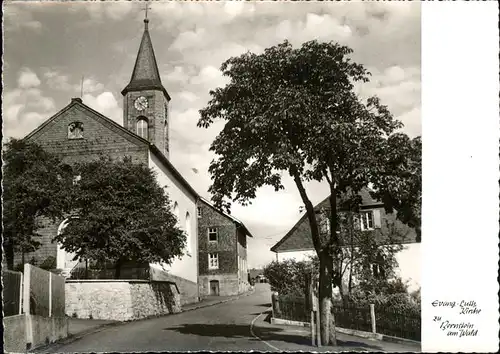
(302,226)
(145,75)
(229,216)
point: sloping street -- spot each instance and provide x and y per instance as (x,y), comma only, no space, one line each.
(231,326)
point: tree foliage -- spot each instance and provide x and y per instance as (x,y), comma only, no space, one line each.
(35,185)
(120,214)
(295,111)
(289,277)
(398,178)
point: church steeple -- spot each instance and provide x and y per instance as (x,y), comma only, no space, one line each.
(145,100)
(145,75)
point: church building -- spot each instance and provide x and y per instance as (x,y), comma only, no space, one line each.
(79,133)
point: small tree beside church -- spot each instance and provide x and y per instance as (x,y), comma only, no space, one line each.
(34,186)
(121,214)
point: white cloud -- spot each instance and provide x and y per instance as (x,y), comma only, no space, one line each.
(412,121)
(210,77)
(24,110)
(234,8)
(27,79)
(190,39)
(283,30)
(115,10)
(106,104)
(188,96)
(395,73)
(57,81)
(325,26)
(90,85)
(18,16)
(398,87)
(178,74)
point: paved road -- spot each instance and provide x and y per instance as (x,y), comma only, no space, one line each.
(232,326)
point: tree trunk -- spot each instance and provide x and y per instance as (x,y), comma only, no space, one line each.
(325,299)
(325,259)
(351,232)
(118,268)
(9,255)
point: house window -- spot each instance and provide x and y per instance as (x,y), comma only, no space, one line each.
(367,220)
(142,128)
(75,130)
(199,212)
(213,261)
(378,271)
(212,234)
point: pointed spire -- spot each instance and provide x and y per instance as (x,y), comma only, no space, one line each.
(145,75)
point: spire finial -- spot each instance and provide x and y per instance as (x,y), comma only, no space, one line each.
(146,8)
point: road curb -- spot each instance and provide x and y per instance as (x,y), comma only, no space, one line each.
(353,332)
(218,302)
(74,337)
(376,336)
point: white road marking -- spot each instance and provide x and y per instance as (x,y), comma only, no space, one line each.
(256,336)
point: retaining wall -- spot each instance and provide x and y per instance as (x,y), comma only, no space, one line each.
(121,300)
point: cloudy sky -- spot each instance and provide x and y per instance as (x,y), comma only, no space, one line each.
(50,46)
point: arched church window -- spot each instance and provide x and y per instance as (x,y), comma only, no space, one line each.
(188,231)
(142,127)
(64,259)
(75,130)
(176,211)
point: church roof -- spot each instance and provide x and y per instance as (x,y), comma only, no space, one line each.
(146,75)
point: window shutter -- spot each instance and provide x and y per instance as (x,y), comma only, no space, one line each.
(376,219)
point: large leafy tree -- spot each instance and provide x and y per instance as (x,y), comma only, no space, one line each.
(35,185)
(295,110)
(121,214)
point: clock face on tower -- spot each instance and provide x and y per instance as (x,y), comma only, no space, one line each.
(141,103)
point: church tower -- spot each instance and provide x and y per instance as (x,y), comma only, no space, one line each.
(145,100)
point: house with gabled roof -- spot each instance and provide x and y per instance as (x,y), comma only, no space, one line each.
(372,218)
(222,252)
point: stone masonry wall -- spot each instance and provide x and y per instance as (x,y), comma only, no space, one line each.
(120,300)
(188,290)
(228,284)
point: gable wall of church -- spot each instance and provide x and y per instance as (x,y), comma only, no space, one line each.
(99,138)
(47,248)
